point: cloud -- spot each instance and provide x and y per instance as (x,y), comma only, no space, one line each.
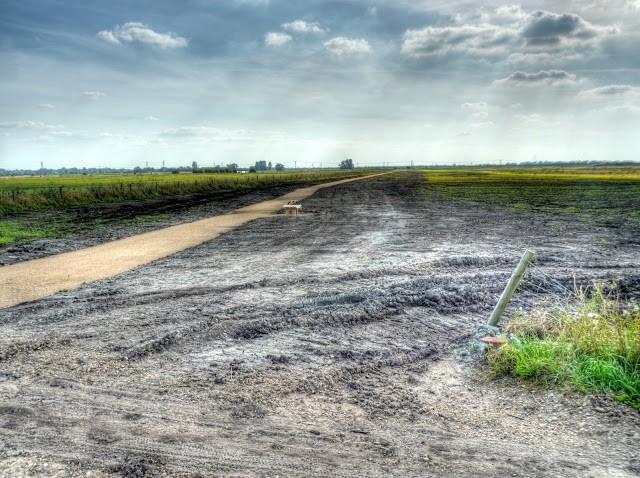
(507,14)
(543,76)
(530,58)
(108,36)
(45,106)
(151,118)
(481,105)
(531,119)
(507,30)
(476,110)
(611,91)
(208,134)
(300,26)
(276,39)
(137,32)
(497,16)
(623,109)
(94,95)
(473,39)
(346,46)
(612,98)
(30,125)
(483,125)
(546,28)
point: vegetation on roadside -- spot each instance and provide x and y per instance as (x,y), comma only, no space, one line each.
(58,224)
(609,195)
(11,231)
(592,346)
(33,193)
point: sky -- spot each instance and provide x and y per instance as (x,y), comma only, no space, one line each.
(309,83)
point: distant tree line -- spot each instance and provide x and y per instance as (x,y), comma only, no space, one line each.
(267,166)
(229,168)
(65,171)
(346,164)
(264,166)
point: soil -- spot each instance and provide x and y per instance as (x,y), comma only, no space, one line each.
(331,344)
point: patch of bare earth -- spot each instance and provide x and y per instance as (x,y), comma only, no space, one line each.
(323,345)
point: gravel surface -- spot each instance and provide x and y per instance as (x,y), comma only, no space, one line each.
(332,344)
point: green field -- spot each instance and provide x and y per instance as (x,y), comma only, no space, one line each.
(41,192)
(609,195)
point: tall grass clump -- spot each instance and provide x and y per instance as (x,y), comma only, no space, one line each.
(592,346)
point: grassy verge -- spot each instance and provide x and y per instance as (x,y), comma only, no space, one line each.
(594,346)
(34,193)
(10,231)
(54,224)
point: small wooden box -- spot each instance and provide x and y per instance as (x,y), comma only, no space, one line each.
(292,209)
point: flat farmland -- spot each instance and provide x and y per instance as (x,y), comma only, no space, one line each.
(330,344)
(603,195)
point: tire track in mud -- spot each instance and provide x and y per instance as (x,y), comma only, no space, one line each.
(469,290)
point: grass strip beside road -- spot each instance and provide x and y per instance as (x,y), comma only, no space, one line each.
(594,346)
(44,192)
(11,231)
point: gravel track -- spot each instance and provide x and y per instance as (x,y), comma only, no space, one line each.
(323,345)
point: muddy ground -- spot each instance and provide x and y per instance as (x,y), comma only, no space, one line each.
(332,344)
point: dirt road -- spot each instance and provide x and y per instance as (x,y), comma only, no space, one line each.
(326,345)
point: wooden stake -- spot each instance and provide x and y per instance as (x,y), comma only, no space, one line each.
(515,279)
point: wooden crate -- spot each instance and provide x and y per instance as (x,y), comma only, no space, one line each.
(292,209)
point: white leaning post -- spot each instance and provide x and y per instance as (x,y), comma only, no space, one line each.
(515,279)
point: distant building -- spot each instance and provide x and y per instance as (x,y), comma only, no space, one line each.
(194,165)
